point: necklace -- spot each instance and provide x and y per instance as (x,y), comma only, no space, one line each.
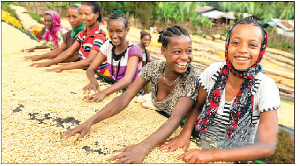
(166,81)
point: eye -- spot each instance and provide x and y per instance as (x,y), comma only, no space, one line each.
(189,51)
(119,31)
(235,43)
(177,52)
(253,45)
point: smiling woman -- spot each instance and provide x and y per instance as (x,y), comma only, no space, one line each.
(123,59)
(236,102)
(91,38)
(175,99)
(53,36)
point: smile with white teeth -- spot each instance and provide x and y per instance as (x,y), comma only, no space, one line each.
(241,58)
(182,64)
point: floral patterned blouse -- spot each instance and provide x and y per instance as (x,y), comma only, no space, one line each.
(187,86)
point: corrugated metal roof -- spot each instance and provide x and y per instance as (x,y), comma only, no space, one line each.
(213,14)
(285,24)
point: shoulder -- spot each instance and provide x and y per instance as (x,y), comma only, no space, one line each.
(134,47)
(266,81)
(99,32)
(68,34)
(62,31)
(192,72)
(213,69)
(156,65)
(216,66)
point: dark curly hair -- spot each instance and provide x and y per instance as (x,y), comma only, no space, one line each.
(165,35)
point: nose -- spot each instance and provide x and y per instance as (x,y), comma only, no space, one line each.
(184,56)
(243,48)
(114,34)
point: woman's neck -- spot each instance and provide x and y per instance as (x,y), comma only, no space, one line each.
(234,80)
(89,28)
(142,47)
(170,74)
(120,48)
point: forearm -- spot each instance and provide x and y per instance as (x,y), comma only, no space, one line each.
(60,58)
(40,47)
(76,65)
(246,153)
(109,110)
(161,134)
(51,54)
(90,73)
(190,123)
(122,83)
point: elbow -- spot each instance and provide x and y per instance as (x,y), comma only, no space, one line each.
(270,148)
(86,63)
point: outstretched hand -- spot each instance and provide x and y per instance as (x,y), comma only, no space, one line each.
(82,129)
(197,156)
(95,97)
(134,154)
(175,143)
(42,64)
(91,86)
(32,58)
(57,70)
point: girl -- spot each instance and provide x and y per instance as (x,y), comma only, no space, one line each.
(53,36)
(174,91)
(237,100)
(145,42)
(68,38)
(88,42)
(122,59)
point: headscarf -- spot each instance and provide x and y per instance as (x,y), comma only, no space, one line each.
(55,28)
(240,116)
(76,30)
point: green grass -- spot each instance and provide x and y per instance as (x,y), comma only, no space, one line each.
(285,46)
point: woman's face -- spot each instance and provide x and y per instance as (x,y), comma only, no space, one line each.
(244,46)
(178,53)
(74,17)
(48,21)
(88,16)
(145,41)
(117,31)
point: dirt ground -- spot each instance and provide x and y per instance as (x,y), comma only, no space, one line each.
(37,106)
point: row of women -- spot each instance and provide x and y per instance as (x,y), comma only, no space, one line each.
(239,125)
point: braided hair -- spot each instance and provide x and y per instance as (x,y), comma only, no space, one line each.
(118,14)
(165,35)
(96,9)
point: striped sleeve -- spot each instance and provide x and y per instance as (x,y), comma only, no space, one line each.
(98,41)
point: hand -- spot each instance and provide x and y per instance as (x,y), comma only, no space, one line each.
(57,70)
(131,154)
(42,64)
(32,57)
(95,97)
(197,156)
(175,143)
(91,86)
(30,50)
(83,129)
